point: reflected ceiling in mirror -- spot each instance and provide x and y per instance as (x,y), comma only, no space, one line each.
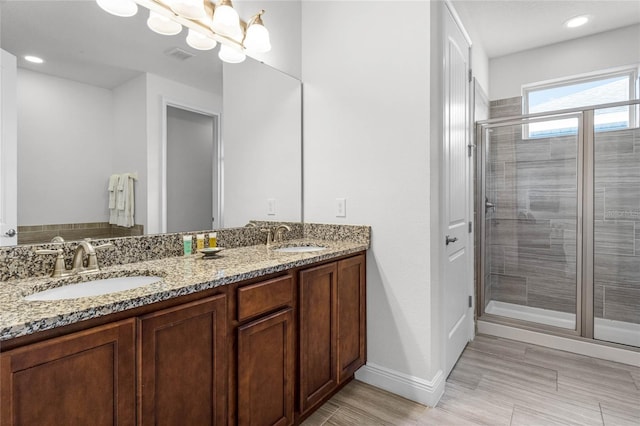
(79,41)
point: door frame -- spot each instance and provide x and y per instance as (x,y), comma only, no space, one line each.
(8,149)
(218,159)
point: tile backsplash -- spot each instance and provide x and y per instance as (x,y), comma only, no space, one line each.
(21,261)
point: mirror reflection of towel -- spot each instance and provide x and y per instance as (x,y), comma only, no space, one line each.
(113,195)
(122,212)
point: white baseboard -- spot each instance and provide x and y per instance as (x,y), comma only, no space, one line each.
(576,346)
(414,388)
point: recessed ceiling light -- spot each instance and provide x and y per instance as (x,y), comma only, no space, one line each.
(34,59)
(577,21)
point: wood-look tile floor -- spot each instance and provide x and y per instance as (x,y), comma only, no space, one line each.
(503,382)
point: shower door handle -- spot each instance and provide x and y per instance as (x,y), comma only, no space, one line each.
(488,205)
(449,240)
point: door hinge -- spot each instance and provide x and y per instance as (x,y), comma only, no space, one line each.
(470,227)
(470,301)
(470,75)
(470,149)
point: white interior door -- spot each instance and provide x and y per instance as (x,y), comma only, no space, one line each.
(456,241)
(8,151)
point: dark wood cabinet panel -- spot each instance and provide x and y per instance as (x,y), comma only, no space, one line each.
(182,368)
(351,315)
(266,375)
(264,297)
(79,379)
(317,333)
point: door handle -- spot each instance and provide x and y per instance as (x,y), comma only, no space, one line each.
(10,233)
(488,205)
(450,240)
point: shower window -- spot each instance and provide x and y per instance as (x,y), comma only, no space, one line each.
(581,92)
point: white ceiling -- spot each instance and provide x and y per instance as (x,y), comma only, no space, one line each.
(80,41)
(509,26)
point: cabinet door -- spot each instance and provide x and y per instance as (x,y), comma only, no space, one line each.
(318,365)
(351,316)
(182,364)
(266,371)
(85,378)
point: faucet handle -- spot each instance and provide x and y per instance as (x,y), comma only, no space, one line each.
(59,268)
(269,233)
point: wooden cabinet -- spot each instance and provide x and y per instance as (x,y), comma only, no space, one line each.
(262,354)
(266,373)
(79,379)
(266,348)
(182,370)
(318,338)
(351,316)
(332,327)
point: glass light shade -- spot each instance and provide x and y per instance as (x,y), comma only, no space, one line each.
(225,20)
(192,9)
(200,41)
(231,55)
(163,25)
(123,8)
(257,39)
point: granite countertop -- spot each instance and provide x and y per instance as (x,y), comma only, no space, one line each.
(180,276)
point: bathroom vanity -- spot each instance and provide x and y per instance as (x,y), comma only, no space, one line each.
(252,337)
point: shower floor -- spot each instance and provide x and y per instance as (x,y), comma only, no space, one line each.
(625,333)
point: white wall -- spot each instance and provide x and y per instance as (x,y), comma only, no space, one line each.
(129,142)
(282,19)
(479,58)
(367,139)
(593,53)
(261,136)
(159,88)
(65,130)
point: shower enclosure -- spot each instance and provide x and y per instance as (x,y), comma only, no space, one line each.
(558,205)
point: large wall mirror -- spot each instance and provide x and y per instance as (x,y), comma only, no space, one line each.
(211,146)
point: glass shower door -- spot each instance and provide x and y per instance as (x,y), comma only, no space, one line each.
(616,262)
(531,245)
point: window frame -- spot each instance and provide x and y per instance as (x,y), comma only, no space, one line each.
(628,71)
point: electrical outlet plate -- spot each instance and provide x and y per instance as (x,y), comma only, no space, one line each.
(271,206)
(341,207)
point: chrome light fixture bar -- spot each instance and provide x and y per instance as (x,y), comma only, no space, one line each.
(208,24)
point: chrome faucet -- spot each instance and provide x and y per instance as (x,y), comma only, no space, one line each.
(77,265)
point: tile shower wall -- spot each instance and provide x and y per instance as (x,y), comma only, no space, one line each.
(531,231)
(617,226)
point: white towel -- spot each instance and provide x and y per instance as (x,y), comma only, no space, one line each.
(120,193)
(113,184)
(125,215)
(114,180)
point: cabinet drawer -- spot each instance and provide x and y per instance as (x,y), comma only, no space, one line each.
(264,297)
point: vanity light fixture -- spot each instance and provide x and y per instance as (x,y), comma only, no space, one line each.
(200,41)
(163,25)
(122,8)
(208,24)
(576,21)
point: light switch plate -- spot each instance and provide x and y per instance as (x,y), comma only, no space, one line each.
(341,207)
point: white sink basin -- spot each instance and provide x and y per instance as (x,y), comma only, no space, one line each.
(93,288)
(299,249)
